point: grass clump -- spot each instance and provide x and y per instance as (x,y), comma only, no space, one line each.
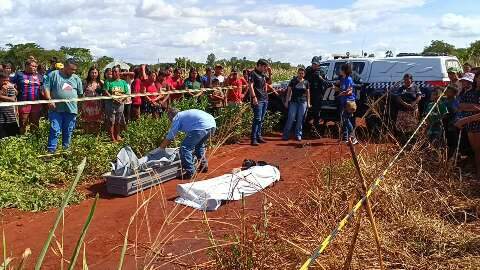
(416,210)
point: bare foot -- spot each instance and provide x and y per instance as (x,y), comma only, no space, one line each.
(119,139)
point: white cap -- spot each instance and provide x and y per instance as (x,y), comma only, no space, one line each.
(468,77)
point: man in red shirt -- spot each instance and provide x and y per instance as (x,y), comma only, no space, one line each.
(235,95)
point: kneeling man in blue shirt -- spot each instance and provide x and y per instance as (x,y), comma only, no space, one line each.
(199,126)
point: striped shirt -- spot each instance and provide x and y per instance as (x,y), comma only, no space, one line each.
(7,114)
(28,85)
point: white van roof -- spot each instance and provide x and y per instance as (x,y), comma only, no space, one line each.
(423,68)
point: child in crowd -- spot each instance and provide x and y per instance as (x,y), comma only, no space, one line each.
(435,129)
(347,105)
(217,97)
(8,119)
(451,132)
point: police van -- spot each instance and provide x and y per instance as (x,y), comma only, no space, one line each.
(377,75)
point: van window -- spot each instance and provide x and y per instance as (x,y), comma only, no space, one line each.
(452,63)
(336,70)
(357,69)
(324,68)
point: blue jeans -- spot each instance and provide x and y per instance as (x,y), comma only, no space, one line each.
(194,143)
(259,112)
(60,122)
(348,125)
(296,112)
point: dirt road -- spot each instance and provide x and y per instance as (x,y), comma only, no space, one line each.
(179,236)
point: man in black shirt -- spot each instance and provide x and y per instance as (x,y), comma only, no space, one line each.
(258,91)
(318,85)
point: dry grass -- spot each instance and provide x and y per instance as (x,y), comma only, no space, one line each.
(425,215)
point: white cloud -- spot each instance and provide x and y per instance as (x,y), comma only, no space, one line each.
(5,6)
(195,38)
(146,30)
(244,27)
(461,26)
(386,5)
(291,17)
(156,9)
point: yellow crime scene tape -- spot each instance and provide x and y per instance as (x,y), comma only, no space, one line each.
(319,250)
(162,92)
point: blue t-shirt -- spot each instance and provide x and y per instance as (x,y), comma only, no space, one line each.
(189,120)
(345,84)
(206,81)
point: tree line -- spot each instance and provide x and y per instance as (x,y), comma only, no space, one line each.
(470,54)
(18,53)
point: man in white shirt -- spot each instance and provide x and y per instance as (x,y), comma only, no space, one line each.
(219,74)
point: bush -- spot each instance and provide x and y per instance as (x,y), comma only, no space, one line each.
(32,180)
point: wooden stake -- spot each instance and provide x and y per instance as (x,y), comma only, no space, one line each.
(348,261)
(367,204)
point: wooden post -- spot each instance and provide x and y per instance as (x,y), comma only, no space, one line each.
(348,260)
(367,204)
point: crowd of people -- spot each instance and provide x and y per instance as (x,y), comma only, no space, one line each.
(456,112)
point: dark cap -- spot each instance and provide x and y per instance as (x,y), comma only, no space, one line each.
(262,62)
(316,60)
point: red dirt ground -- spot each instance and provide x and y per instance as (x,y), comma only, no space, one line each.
(106,233)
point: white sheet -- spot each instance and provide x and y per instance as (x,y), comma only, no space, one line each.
(208,194)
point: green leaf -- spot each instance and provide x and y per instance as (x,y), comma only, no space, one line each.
(69,193)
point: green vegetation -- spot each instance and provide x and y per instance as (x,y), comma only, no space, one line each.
(470,54)
(34,181)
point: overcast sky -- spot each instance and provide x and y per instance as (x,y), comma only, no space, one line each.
(143,31)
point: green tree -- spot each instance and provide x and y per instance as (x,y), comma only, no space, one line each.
(18,53)
(474,49)
(83,56)
(183,62)
(103,61)
(440,47)
(211,58)
(462,54)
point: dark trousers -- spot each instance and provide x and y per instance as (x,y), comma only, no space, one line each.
(259,112)
(127,108)
(9,130)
